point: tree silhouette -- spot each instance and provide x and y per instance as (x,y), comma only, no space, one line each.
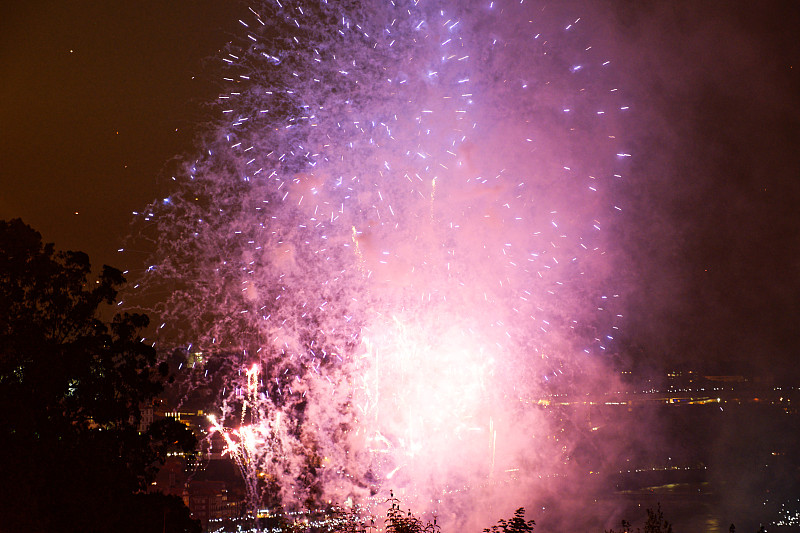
(655,523)
(71,387)
(626,528)
(399,522)
(515,524)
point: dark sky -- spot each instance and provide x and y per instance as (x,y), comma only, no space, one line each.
(712,234)
(97,97)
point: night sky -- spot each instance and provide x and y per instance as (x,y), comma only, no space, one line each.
(97,98)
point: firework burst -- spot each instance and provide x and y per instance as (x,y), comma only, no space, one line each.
(393,238)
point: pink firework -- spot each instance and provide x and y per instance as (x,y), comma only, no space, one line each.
(392,247)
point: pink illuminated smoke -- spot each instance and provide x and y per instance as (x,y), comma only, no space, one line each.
(395,229)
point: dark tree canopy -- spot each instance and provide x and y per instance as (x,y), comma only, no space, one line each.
(399,522)
(515,524)
(71,389)
(655,523)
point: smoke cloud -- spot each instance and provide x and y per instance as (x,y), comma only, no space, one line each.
(395,248)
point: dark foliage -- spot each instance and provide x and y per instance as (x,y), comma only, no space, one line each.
(655,523)
(515,524)
(71,388)
(398,521)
